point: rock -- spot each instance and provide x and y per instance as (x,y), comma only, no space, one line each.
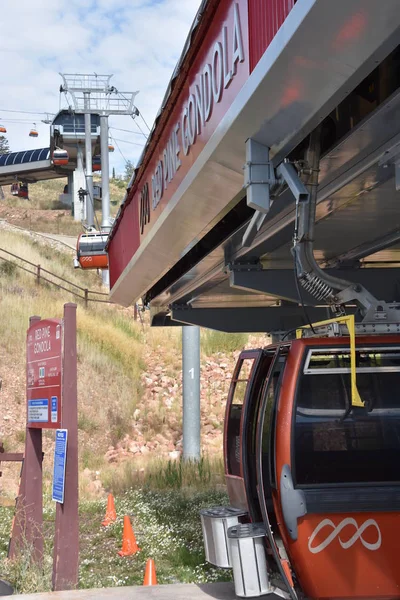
(95,487)
(174,455)
(144,450)
(136,414)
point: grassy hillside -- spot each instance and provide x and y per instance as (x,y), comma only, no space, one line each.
(43,212)
(129,375)
(130,427)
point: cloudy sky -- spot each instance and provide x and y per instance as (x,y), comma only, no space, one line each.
(139,41)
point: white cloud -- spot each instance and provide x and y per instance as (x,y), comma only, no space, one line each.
(139,41)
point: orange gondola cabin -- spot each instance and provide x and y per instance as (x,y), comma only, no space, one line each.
(60,157)
(20,190)
(96,163)
(319,471)
(90,251)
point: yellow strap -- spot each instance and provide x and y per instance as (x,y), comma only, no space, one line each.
(349,321)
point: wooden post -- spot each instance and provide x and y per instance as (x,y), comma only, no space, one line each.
(66,542)
(86,297)
(38,274)
(30,510)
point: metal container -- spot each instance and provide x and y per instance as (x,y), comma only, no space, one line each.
(5,588)
(215,523)
(247,552)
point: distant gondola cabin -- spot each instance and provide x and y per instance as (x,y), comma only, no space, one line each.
(90,250)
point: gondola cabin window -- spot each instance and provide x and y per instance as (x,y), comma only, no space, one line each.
(335,442)
(238,391)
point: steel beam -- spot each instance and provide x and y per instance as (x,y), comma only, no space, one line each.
(383,283)
(248,319)
(163,319)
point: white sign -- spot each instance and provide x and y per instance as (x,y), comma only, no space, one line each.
(346,544)
(38,411)
(60,459)
(54,409)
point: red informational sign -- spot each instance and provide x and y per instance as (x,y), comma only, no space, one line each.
(44,373)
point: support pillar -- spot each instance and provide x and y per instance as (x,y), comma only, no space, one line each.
(70,181)
(78,182)
(105,187)
(191,392)
(105,175)
(32,502)
(66,541)
(88,163)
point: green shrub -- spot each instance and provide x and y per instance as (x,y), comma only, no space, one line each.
(7,268)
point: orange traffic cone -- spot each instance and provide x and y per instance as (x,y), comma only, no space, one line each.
(129,545)
(150,577)
(111,513)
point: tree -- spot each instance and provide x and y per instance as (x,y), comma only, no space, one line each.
(4,147)
(113,173)
(129,168)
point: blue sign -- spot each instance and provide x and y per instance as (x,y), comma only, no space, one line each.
(38,411)
(54,409)
(60,457)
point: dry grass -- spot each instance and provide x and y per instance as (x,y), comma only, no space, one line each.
(44,195)
(109,342)
(162,474)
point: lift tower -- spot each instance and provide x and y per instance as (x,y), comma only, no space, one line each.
(92,94)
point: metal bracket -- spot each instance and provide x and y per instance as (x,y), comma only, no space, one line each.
(288,173)
(259,176)
(237,267)
(392,156)
(293,502)
(262,182)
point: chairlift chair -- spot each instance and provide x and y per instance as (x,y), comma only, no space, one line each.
(3,129)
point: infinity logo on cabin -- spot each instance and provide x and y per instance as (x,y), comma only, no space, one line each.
(351,541)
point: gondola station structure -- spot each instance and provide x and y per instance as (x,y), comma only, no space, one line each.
(267,200)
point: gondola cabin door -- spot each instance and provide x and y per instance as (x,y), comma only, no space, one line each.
(337,497)
(247,383)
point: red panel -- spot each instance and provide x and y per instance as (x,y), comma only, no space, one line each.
(265,18)
(125,244)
